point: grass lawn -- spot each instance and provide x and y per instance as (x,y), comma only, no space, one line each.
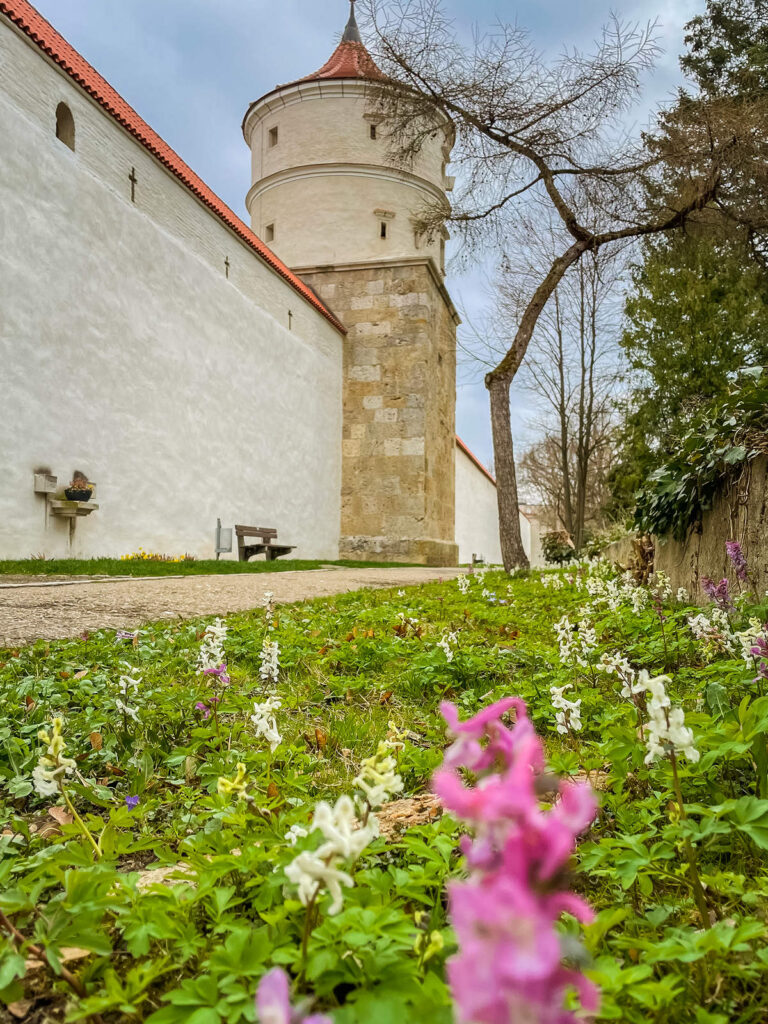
(177,773)
(149,567)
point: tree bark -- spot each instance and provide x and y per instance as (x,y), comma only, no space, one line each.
(562,408)
(512,551)
(498,382)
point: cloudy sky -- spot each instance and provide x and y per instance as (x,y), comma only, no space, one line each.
(191,67)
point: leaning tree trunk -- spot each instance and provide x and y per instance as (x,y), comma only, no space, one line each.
(498,382)
(512,551)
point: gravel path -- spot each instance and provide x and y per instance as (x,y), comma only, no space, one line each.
(29,613)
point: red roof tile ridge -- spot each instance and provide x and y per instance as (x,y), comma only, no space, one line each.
(44,35)
(471,455)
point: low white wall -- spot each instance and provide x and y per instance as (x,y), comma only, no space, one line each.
(126,353)
(477,516)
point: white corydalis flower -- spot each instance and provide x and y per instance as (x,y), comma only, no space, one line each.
(311,874)
(462,582)
(682,595)
(264,723)
(666,731)
(661,585)
(294,833)
(211,654)
(615,592)
(615,664)
(48,775)
(751,637)
(128,684)
(713,631)
(270,661)
(568,712)
(575,642)
(378,778)
(313,871)
(126,709)
(269,602)
(447,643)
(551,581)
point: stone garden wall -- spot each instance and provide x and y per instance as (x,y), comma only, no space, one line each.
(739,512)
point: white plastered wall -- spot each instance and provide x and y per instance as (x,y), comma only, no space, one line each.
(125,351)
(477,517)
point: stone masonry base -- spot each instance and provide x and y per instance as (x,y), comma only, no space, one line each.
(418,551)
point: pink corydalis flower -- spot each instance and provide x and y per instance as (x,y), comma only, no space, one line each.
(717,592)
(509,968)
(220,673)
(738,561)
(273,1002)
(467,750)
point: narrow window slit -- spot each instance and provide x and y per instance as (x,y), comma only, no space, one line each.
(65,126)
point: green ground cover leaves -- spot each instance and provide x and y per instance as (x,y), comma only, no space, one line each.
(189,942)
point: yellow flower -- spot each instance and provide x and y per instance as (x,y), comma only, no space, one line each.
(230,787)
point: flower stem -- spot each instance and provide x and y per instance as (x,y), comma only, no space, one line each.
(690,853)
(81,824)
(308,929)
(39,954)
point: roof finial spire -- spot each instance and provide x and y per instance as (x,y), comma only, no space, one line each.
(351,32)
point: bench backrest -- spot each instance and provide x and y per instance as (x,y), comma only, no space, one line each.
(265,532)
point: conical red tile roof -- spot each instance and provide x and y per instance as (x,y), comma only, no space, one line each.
(350,59)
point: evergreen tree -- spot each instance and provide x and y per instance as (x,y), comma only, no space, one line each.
(728,48)
(697,310)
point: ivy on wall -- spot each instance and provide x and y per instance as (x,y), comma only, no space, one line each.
(721,439)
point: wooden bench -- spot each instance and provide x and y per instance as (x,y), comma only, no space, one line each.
(266,543)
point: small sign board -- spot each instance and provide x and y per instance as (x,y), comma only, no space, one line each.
(223,538)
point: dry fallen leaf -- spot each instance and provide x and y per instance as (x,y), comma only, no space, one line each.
(66,954)
(321,739)
(97,741)
(162,876)
(59,814)
(20,1009)
(81,674)
(385,697)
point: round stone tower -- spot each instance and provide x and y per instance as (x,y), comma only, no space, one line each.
(329,201)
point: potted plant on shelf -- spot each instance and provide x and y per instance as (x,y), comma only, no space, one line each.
(79,489)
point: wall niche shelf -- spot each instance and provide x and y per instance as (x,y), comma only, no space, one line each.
(70,509)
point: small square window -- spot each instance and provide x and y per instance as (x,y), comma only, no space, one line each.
(273,133)
(373,131)
(269,233)
(383,229)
